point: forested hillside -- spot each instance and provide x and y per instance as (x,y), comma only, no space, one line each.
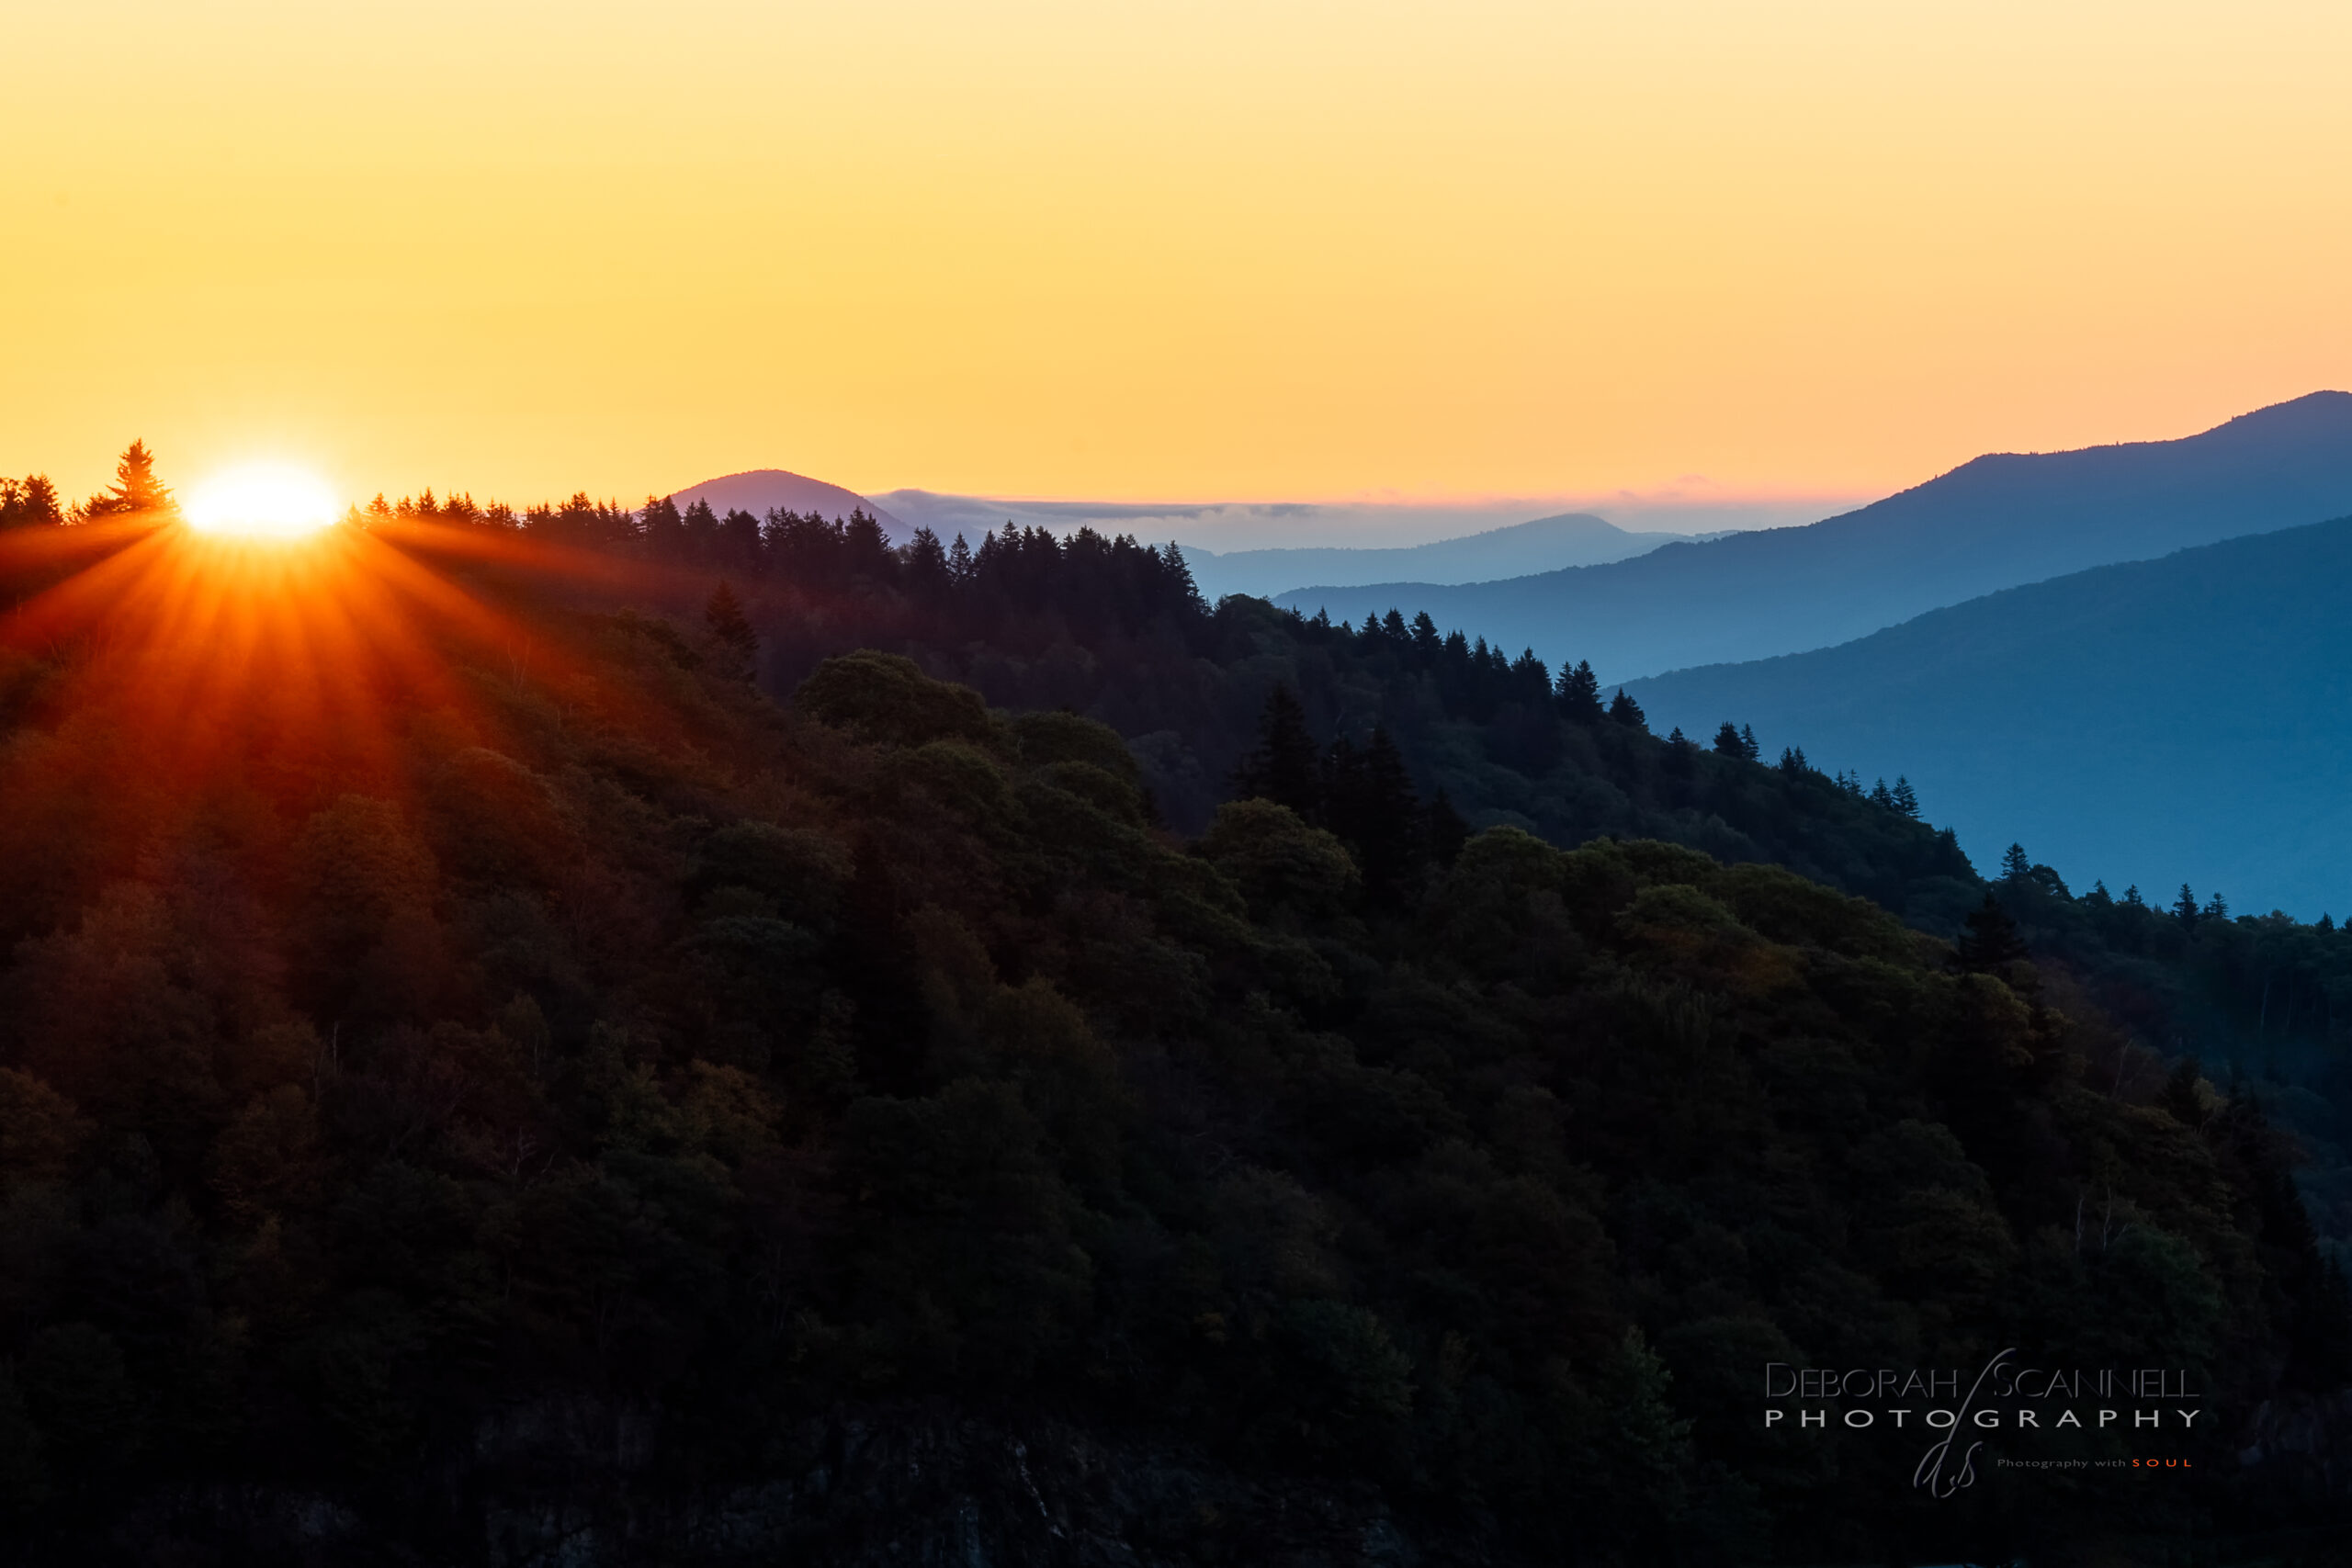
(1113,630)
(502,1087)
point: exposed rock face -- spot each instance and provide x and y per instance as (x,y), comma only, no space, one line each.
(584,1486)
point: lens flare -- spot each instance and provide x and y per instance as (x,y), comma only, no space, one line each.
(261,501)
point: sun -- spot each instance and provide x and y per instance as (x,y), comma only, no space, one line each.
(270,500)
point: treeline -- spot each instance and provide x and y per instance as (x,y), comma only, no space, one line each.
(1116,629)
(33,501)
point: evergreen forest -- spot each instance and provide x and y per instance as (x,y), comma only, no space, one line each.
(728,1039)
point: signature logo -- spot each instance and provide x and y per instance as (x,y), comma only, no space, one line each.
(1937,1473)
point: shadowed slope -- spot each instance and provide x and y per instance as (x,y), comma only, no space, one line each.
(2145,722)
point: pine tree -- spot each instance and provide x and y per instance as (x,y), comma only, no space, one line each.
(2131,898)
(1577,692)
(731,627)
(136,489)
(2184,909)
(1748,747)
(30,502)
(700,525)
(1283,767)
(1178,572)
(1793,761)
(1727,742)
(925,563)
(1370,805)
(2179,1096)
(2015,866)
(1907,799)
(1881,796)
(1991,940)
(1627,711)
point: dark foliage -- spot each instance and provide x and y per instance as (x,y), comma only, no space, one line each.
(640,1046)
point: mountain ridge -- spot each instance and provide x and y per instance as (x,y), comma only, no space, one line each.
(1541,543)
(2188,702)
(1999,520)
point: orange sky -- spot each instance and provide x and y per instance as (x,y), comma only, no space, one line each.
(1160,249)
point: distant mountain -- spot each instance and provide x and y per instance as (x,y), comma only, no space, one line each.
(759,490)
(2182,719)
(1991,523)
(1547,544)
(1238,527)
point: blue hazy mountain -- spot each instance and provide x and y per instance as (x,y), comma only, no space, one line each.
(1547,544)
(1994,522)
(2181,719)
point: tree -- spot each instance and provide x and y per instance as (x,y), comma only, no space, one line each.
(1180,576)
(1991,940)
(1627,711)
(1579,693)
(1282,767)
(2184,909)
(2015,866)
(1748,747)
(30,501)
(1793,761)
(1371,805)
(136,489)
(1727,742)
(2180,1097)
(1907,799)
(728,624)
(926,570)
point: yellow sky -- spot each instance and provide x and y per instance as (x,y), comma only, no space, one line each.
(1138,249)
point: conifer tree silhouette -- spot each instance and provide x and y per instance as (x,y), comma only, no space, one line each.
(1283,767)
(136,489)
(732,628)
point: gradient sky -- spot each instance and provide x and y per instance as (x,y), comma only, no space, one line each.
(1207,250)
